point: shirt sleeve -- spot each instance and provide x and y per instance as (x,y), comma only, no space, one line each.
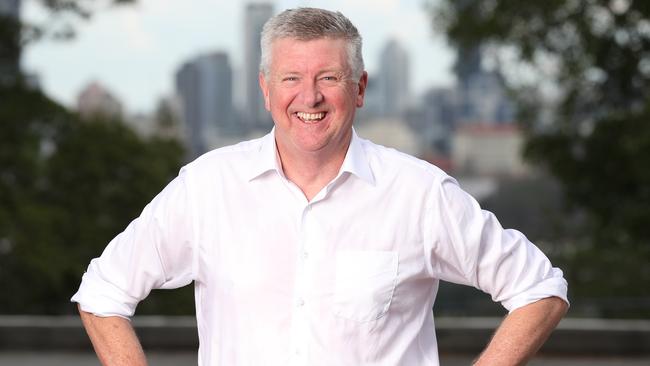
(155,251)
(469,246)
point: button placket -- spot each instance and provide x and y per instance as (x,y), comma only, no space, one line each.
(299,319)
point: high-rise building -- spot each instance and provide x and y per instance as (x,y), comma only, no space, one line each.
(488,150)
(168,119)
(394,79)
(483,98)
(95,101)
(204,86)
(434,118)
(10,46)
(255,115)
(10,8)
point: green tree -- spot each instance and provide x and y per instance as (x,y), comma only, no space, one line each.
(63,14)
(593,135)
(67,186)
(27,119)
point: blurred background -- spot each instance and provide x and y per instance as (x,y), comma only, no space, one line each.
(540,109)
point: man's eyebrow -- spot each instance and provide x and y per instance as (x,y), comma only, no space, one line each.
(333,70)
(287,72)
(283,74)
(342,73)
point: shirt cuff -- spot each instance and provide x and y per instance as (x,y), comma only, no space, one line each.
(102,298)
(555,286)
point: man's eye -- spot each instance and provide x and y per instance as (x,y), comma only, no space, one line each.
(330,78)
(290,78)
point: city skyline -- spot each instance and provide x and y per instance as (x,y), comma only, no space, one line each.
(256,15)
(204,87)
(138,62)
(9,7)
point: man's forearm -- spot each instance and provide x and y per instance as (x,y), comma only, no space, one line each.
(523,332)
(114,340)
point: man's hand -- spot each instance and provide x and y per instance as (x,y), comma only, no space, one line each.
(114,340)
(523,332)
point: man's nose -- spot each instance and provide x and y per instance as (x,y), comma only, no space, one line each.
(311,94)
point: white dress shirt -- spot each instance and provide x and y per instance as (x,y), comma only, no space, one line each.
(349,278)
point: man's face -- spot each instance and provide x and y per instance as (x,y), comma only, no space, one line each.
(311,95)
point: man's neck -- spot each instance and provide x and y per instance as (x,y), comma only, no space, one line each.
(311,172)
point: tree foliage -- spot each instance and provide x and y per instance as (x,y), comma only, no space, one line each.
(594,136)
(67,187)
(63,15)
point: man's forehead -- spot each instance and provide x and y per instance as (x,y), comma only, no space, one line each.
(290,54)
(332,48)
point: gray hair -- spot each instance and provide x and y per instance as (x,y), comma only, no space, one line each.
(306,24)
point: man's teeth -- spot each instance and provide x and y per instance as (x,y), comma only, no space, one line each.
(310,116)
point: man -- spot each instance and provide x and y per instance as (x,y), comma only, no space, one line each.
(311,246)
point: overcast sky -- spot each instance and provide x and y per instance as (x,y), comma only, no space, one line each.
(135,50)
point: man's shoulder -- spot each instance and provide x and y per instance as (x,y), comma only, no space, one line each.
(388,160)
(233,158)
(240,150)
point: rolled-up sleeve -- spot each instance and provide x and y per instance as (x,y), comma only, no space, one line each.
(155,251)
(469,246)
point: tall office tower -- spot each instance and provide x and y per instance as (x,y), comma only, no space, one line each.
(10,42)
(469,63)
(394,79)
(483,97)
(255,115)
(435,120)
(10,8)
(204,86)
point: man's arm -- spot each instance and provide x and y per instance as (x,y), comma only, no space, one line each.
(523,332)
(114,340)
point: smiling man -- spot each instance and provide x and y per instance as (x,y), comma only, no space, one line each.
(312,93)
(312,246)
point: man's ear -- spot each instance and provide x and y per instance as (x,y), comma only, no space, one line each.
(265,91)
(363,83)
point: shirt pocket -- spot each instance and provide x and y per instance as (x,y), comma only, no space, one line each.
(364,284)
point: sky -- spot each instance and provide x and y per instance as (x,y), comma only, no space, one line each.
(134,51)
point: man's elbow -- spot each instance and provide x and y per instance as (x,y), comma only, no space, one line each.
(84,314)
(556,306)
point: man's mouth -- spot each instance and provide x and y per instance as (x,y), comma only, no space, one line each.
(310,117)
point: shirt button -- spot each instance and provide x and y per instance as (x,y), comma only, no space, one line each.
(305,255)
(301,303)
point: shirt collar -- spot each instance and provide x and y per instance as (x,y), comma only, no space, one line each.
(266,157)
(355,162)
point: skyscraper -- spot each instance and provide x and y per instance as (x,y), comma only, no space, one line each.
(204,85)
(95,101)
(483,97)
(255,115)
(10,8)
(10,42)
(393,79)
